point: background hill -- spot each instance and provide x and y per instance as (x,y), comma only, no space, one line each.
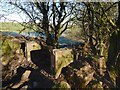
(73,32)
(9,26)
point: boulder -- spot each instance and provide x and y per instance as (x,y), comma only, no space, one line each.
(62,85)
(78,74)
(24,78)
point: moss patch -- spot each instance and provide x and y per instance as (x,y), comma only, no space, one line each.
(8,48)
(62,61)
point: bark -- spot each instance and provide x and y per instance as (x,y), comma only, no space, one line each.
(91,29)
(114,50)
(118,20)
(45,24)
(118,47)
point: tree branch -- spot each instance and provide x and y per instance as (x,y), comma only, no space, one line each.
(64,28)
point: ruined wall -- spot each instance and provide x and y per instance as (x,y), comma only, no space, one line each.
(57,58)
(31,46)
(62,58)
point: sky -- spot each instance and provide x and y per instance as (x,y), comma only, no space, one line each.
(20,17)
(9,13)
(12,17)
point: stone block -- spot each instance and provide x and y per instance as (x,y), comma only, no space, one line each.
(62,58)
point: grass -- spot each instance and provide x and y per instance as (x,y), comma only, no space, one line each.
(7,48)
(11,26)
(73,32)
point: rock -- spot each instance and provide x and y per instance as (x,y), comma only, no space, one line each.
(94,84)
(62,85)
(78,77)
(62,58)
(30,46)
(26,75)
(24,78)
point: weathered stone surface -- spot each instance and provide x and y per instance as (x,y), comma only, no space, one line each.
(54,58)
(102,65)
(41,58)
(63,57)
(62,85)
(31,46)
(78,74)
(94,84)
(24,78)
(86,73)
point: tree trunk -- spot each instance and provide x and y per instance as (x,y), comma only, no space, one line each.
(56,42)
(114,50)
(45,23)
(49,40)
(91,29)
(118,47)
(118,20)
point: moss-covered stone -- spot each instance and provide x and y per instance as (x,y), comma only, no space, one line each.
(62,85)
(63,57)
(79,76)
(8,49)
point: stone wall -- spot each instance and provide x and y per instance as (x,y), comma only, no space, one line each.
(61,58)
(31,46)
(78,74)
(57,58)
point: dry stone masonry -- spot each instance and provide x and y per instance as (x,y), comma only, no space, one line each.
(62,58)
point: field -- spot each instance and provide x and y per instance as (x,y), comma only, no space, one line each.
(73,33)
(11,26)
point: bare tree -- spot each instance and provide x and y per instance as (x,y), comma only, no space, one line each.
(97,20)
(51,18)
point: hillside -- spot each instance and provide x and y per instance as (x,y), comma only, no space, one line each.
(73,32)
(11,26)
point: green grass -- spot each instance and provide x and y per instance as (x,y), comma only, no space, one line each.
(8,48)
(73,32)
(11,26)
